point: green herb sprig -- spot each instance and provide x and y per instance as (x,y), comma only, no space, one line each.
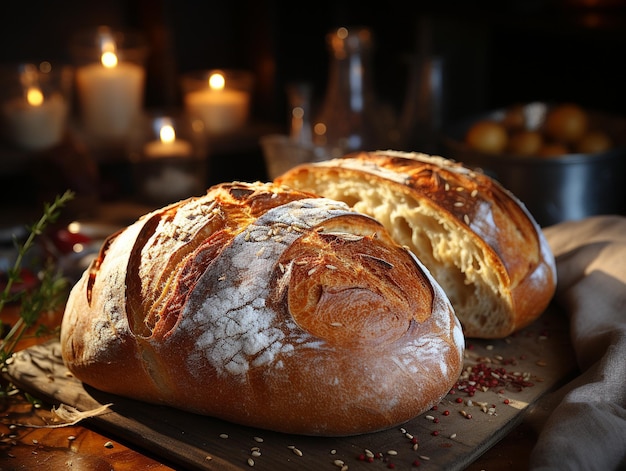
(48,295)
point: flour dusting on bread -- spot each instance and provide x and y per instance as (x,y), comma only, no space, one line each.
(265,306)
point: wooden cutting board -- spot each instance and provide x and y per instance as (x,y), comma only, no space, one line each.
(450,437)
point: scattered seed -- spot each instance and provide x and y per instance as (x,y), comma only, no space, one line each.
(258,439)
(223,435)
(453,435)
(250,462)
(108,445)
(338,463)
(392,452)
(297,452)
(256,453)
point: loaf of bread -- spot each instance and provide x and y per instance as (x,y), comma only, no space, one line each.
(267,307)
(477,239)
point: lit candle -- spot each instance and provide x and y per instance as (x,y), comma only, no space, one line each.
(167,145)
(222,109)
(36,122)
(110,92)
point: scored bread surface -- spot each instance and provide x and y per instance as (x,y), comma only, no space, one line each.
(268,307)
(477,239)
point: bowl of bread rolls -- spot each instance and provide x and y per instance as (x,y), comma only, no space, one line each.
(563,160)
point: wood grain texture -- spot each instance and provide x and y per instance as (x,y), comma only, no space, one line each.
(450,442)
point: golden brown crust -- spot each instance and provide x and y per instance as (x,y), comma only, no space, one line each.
(478,239)
(267,307)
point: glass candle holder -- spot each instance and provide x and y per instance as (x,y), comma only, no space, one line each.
(110,80)
(34,104)
(168,157)
(219,99)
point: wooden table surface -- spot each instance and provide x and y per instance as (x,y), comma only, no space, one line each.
(83,447)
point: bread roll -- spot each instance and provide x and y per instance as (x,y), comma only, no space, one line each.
(476,238)
(266,307)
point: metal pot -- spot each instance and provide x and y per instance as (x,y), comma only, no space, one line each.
(555,189)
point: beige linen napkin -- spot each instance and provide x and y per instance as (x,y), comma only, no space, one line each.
(587,428)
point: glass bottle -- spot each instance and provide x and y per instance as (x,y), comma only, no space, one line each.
(348,119)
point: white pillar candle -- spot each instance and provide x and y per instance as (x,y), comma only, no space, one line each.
(167,145)
(110,94)
(35,122)
(222,109)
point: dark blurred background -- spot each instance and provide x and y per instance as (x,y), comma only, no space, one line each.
(496,53)
(502,52)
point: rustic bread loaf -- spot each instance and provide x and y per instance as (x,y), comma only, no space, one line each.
(476,238)
(267,307)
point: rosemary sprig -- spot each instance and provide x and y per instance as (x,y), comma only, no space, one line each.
(47,296)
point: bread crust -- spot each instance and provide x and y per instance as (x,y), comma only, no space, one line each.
(477,239)
(267,307)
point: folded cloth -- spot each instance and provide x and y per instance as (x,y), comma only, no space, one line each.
(587,428)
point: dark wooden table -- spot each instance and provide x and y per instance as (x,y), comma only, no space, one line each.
(85,446)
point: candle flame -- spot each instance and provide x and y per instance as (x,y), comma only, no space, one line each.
(217,81)
(108,47)
(167,134)
(109,59)
(34,96)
